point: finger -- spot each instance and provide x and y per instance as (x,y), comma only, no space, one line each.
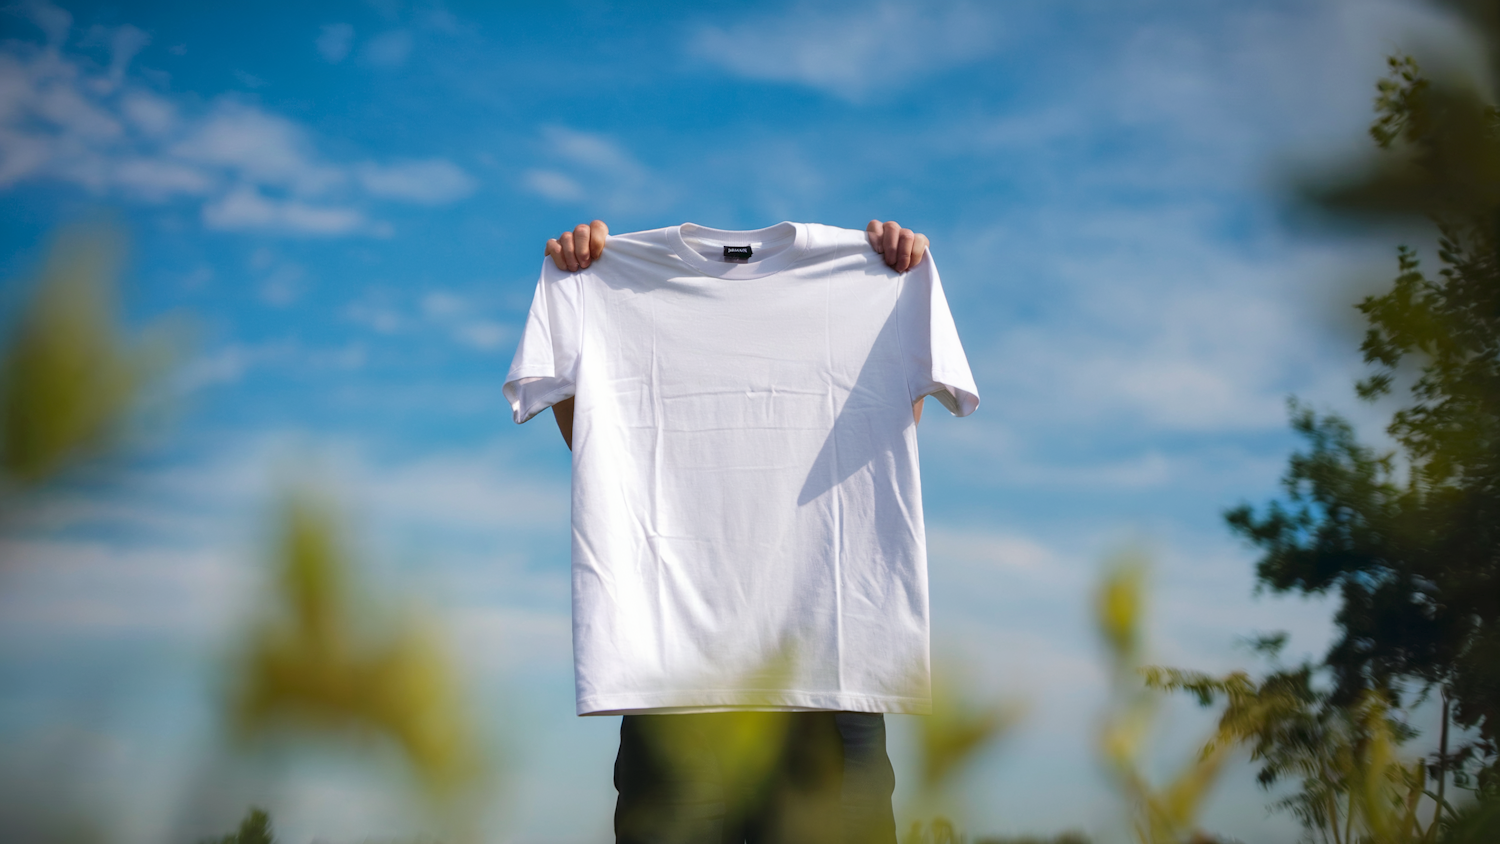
(892,235)
(598,233)
(554,251)
(919,249)
(581,245)
(905,241)
(570,263)
(874,231)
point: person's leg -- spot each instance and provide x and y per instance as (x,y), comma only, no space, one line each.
(800,802)
(833,781)
(667,777)
(869,780)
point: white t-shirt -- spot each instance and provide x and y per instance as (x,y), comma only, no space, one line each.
(747,508)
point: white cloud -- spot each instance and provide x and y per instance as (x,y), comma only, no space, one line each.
(124,43)
(851,52)
(991,552)
(21,156)
(462,490)
(335,42)
(552,185)
(388,49)
(593,151)
(229,364)
(149,113)
(378,314)
(483,334)
(284,285)
(252,169)
(75,587)
(200,276)
(611,177)
(51,20)
(161,179)
(245,208)
(248,79)
(258,146)
(495,641)
(439,304)
(459,317)
(60,103)
(431,182)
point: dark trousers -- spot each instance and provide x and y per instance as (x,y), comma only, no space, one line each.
(754,778)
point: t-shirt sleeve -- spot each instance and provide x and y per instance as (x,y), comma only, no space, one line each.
(545,367)
(934,358)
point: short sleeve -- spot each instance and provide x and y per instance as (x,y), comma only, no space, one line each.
(934,358)
(544,370)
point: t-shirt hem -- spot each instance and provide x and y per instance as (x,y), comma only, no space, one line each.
(757,701)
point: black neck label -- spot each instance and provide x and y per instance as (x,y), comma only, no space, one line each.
(737,254)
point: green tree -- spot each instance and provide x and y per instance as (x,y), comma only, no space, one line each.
(1408,539)
(1350,787)
(254,829)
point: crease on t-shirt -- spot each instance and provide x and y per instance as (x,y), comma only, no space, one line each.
(653,518)
(837,498)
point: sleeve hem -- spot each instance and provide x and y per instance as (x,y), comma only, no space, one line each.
(958,400)
(527,400)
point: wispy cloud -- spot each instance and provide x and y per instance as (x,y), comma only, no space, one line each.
(596,168)
(259,147)
(51,20)
(431,182)
(249,169)
(552,185)
(853,51)
(245,207)
(232,363)
(388,49)
(335,41)
(461,318)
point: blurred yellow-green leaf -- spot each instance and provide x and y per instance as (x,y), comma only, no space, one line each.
(958,728)
(319,662)
(69,375)
(1118,607)
(1162,814)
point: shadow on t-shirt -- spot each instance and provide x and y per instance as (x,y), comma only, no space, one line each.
(871,426)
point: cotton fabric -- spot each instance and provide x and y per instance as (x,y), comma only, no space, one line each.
(747,509)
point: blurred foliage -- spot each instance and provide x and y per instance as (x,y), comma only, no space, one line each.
(939,830)
(1064,838)
(69,377)
(319,662)
(1350,785)
(1410,539)
(254,829)
(942,831)
(960,725)
(958,728)
(1164,814)
(748,746)
(742,752)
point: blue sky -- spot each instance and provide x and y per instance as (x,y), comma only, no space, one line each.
(350,202)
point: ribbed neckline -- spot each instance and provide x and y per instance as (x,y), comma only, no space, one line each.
(758,268)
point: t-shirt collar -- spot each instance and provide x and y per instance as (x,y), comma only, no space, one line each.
(756,268)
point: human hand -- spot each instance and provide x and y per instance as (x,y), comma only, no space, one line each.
(902,248)
(577,249)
